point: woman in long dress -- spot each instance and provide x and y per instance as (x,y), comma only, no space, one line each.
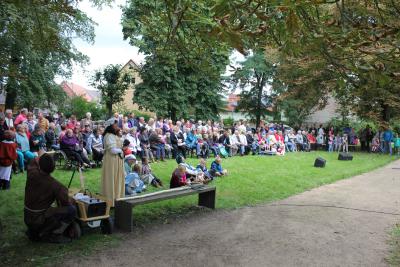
(112,175)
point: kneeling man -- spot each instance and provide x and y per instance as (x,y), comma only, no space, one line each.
(44,222)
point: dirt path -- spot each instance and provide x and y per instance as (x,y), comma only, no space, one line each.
(303,230)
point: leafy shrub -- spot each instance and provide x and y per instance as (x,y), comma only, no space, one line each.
(228,121)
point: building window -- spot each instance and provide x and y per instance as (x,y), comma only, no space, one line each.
(133,80)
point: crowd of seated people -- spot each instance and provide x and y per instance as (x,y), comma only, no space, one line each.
(158,139)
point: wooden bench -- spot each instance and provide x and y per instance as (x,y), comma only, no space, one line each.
(124,206)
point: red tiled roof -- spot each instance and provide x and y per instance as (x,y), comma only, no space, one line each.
(233,100)
(72,90)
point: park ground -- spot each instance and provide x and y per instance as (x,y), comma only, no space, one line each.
(253,181)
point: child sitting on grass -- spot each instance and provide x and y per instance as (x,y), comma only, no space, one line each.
(133,183)
(147,176)
(178,177)
(125,147)
(216,169)
(203,168)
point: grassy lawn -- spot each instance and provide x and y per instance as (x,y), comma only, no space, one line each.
(252,180)
(394,257)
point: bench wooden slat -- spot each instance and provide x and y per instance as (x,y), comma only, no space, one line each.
(167,195)
(124,206)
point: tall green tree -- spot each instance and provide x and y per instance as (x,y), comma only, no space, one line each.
(182,73)
(112,83)
(357,41)
(36,46)
(254,76)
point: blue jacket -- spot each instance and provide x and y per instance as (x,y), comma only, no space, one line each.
(216,167)
(191,140)
(388,136)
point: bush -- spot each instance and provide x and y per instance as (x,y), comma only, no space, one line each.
(228,121)
(79,107)
(357,125)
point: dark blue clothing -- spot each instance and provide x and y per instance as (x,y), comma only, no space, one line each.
(216,167)
(388,136)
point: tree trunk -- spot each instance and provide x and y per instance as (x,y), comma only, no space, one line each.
(109,109)
(11,90)
(386,113)
(259,99)
(172,114)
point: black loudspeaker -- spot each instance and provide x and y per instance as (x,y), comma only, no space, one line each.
(345,156)
(319,162)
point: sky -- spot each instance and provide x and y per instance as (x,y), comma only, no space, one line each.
(109,46)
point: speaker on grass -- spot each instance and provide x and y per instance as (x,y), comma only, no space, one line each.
(345,156)
(319,162)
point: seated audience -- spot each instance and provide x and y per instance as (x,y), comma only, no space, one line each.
(147,175)
(178,143)
(37,142)
(133,183)
(23,148)
(70,145)
(50,137)
(95,144)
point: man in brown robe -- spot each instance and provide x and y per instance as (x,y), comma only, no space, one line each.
(44,222)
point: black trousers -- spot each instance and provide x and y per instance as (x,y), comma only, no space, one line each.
(97,155)
(178,150)
(78,156)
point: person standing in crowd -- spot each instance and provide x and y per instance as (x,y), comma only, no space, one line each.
(3,127)
(72,122)
(30,122)
(43,122)
(22,117)
(87,121)
(132,121)
(8,154)
(387,139)
(9,119)
(112,175)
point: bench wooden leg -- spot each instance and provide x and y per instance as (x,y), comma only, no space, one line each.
(207,199)
(123,216)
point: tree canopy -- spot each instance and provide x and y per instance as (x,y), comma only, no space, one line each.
(254,76)
(36,46)
(112,84)
(182,73)
(333,43)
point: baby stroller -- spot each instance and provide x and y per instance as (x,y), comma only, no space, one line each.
(376,146)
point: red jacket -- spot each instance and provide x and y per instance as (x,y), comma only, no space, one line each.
(8,153)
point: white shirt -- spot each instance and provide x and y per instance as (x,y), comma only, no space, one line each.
(9,122)
(134,142)
(234,140)
(243,140)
